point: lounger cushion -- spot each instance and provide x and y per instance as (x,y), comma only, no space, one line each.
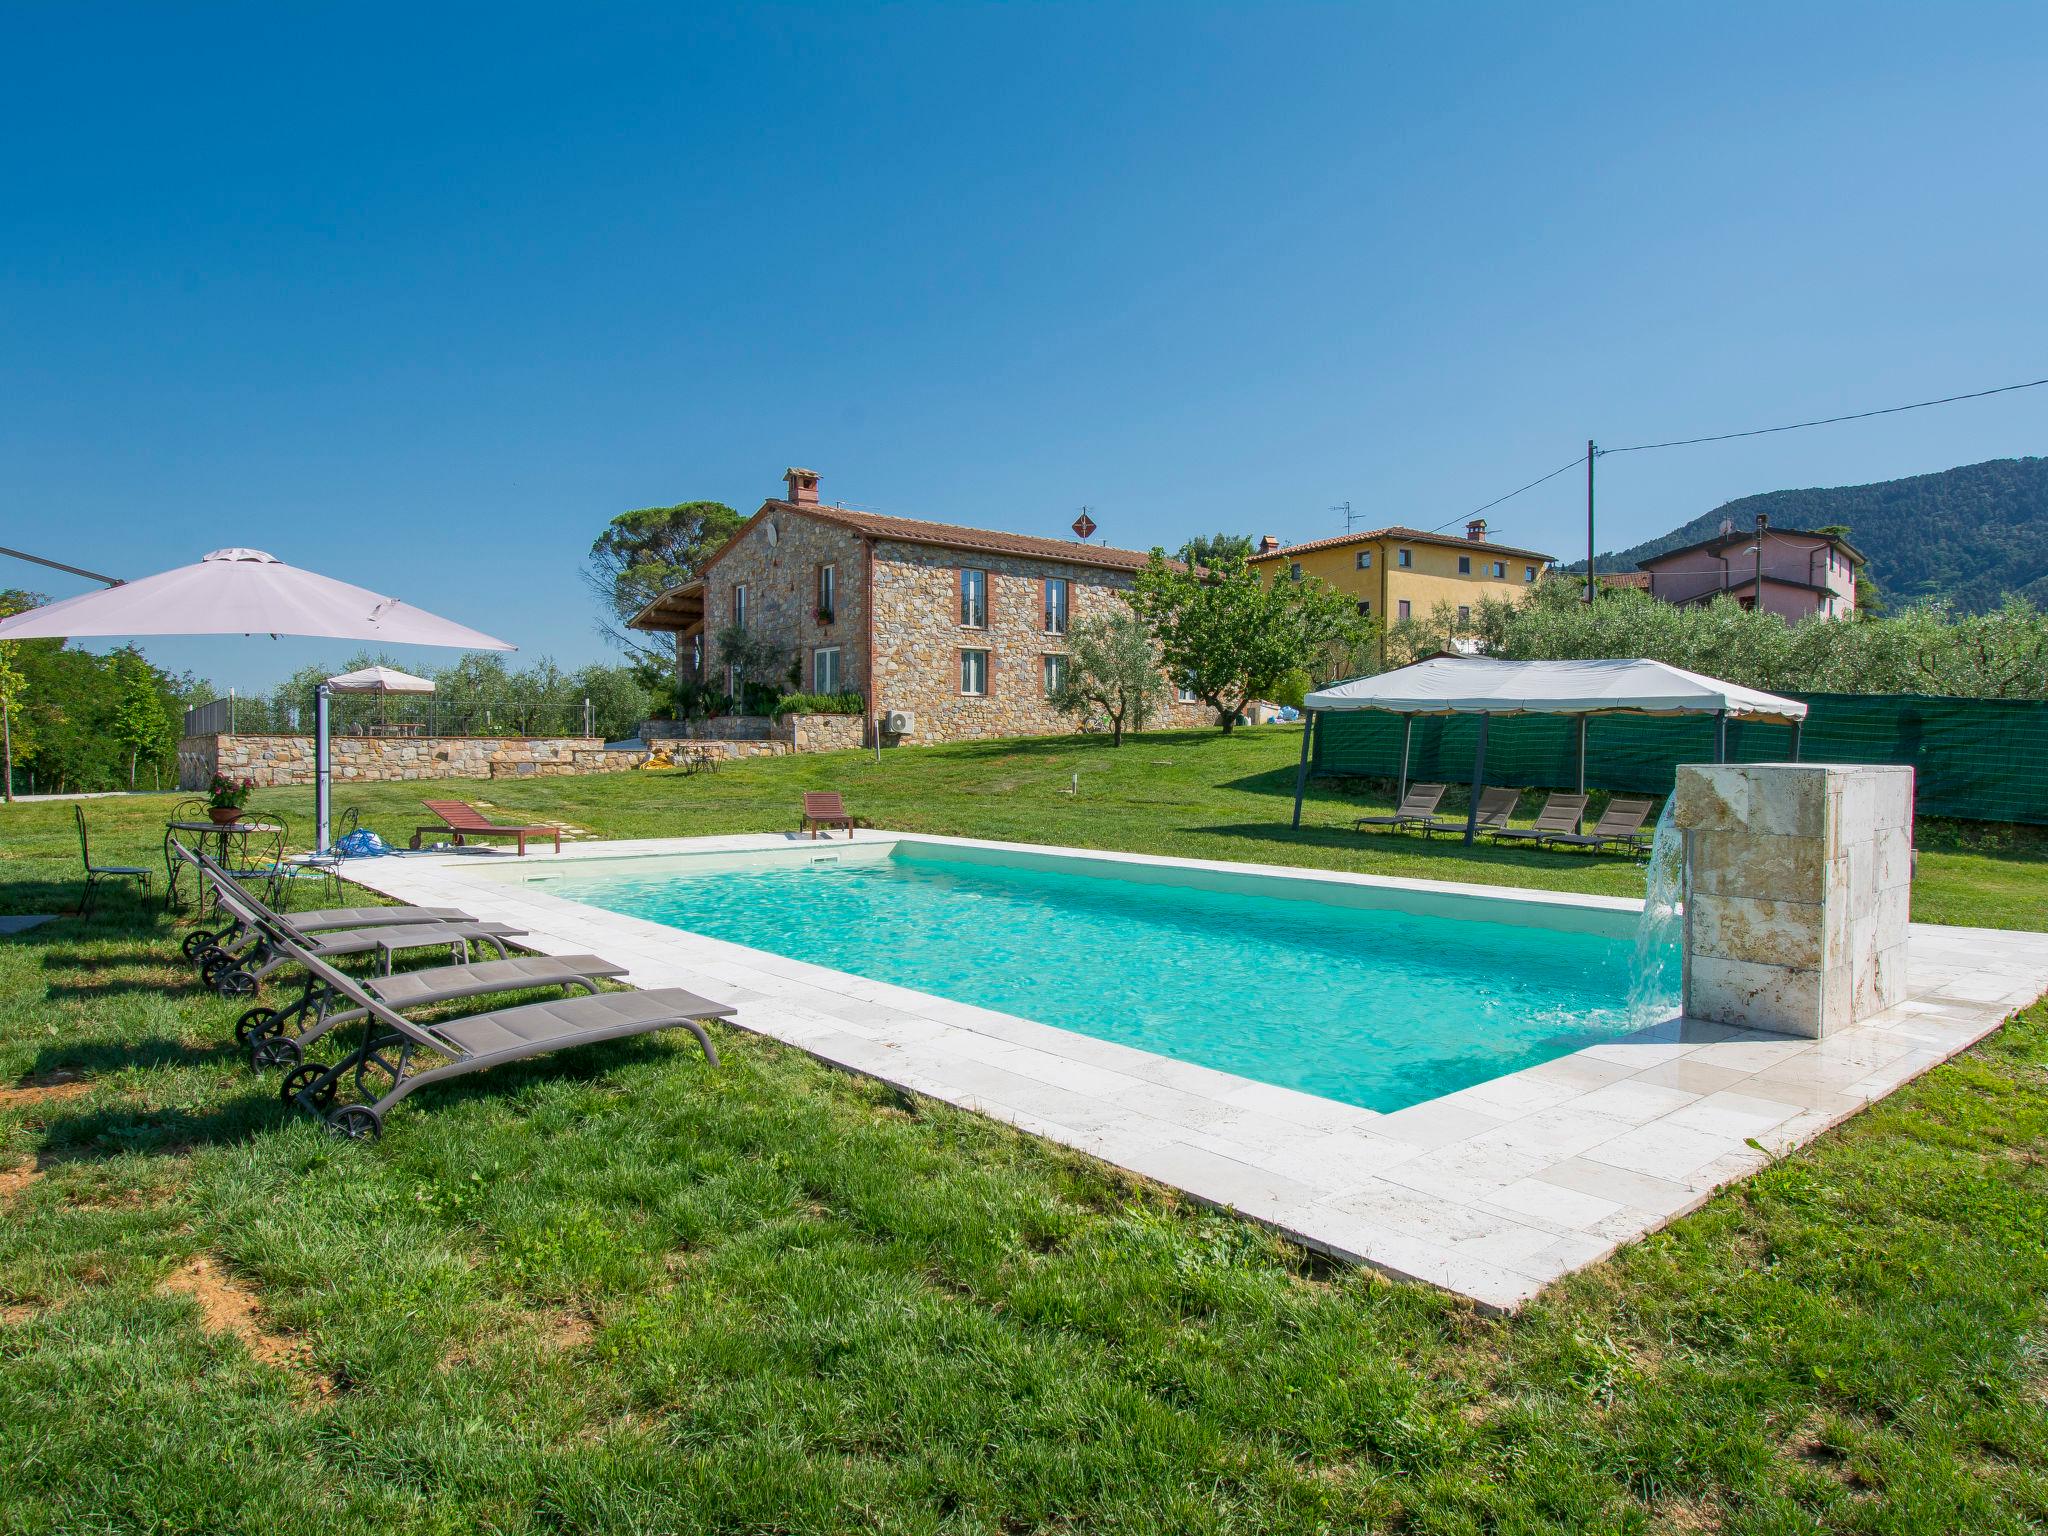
(355,941)
(441,983)
(539,1027)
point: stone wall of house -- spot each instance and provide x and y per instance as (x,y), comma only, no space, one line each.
(781,578)
(802,733)
(919,638)
(275,760)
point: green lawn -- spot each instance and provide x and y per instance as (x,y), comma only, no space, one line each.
(628,1292)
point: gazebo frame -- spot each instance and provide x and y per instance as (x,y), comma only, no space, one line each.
(1553,688)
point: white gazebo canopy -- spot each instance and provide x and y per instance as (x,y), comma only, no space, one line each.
(1480,685)
(379,680)
(1485,686)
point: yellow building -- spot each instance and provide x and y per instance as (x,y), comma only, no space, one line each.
(1403,573)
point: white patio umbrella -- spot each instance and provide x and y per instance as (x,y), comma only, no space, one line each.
(380,681)
(247,592)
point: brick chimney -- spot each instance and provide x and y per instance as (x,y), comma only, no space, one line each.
(1476,530)
(803,486)
(1268,544)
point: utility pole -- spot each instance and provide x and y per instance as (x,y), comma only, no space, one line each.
(1592,560)
(1763,523)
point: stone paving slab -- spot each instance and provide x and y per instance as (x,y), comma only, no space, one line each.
(1493,1192)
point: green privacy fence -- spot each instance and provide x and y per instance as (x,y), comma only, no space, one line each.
(1985,759)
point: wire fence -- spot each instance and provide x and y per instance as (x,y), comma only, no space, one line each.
(1981,759)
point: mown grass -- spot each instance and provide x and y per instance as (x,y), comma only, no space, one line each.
(628,1292)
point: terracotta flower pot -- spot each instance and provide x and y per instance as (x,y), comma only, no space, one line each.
(224,815)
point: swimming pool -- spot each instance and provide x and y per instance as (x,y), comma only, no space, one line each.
(1369,994)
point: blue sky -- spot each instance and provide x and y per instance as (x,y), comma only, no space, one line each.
(421,296)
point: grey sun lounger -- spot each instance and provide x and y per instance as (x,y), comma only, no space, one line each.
(394,1050)
(235,936)
(1418,805)
(1621,825)
(275,938)
(1560,813)
(1495,807)
(317,1012)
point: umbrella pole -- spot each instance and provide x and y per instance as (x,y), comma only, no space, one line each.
(1795,741)
(322,789)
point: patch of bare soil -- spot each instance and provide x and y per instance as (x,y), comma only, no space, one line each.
(567,1331)
(45,1089)
(228,1306)
(14,1180)
(1685,1517)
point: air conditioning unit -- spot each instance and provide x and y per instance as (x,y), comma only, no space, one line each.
(901,722)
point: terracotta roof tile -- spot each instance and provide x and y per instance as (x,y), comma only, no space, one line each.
(912,530)
(1403,535)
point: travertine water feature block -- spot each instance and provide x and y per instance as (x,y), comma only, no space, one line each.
(1798,890)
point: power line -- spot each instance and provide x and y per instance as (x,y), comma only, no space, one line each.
(1826,421)
(1722,437)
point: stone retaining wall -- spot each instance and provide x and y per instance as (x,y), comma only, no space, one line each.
(800,733)
(275,760)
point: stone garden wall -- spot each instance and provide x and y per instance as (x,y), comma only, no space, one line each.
(275,760)
(798,733)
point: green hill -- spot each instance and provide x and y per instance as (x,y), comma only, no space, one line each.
(1970,535)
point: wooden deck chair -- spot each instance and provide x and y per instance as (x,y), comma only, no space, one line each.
(466,821)
(823,808)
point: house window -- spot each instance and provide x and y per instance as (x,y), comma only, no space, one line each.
(974,600)
(1365,608)
(1184,694)
(1404,558)
(739,606)
(974,673)
(825,669)
(1528,573)
(1403,608)
(1294,570)
(828,593)
(1365,559)
(1464,614)
(1055,605)
(1055,674)
(1500,569)
(1464,565)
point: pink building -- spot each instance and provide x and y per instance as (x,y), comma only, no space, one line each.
(1788,572)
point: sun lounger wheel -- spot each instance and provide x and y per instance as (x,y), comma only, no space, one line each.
(234,982)
(196,944)
(266,1052)
(254,1025)
(299,1079)
(356,1122)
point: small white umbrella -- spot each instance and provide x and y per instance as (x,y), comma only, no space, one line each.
(380,681)
(247,592)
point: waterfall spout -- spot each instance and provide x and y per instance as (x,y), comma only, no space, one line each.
(1654,994)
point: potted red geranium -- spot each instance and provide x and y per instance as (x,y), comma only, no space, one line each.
(225,798)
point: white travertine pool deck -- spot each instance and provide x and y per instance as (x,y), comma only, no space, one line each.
(1492,1192)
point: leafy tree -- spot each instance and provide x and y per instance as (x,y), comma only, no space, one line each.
(642,554)
(1231,636)
(758,665)
(1216,549)
(140,722)
(17,727)
(1112,667)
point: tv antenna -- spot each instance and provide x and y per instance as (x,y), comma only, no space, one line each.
(1351,518)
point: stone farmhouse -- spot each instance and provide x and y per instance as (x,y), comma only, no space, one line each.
(949,632)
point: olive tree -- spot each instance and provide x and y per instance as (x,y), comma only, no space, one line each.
(1112,667)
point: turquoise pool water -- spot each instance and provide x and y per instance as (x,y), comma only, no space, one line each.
(1378,1008)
